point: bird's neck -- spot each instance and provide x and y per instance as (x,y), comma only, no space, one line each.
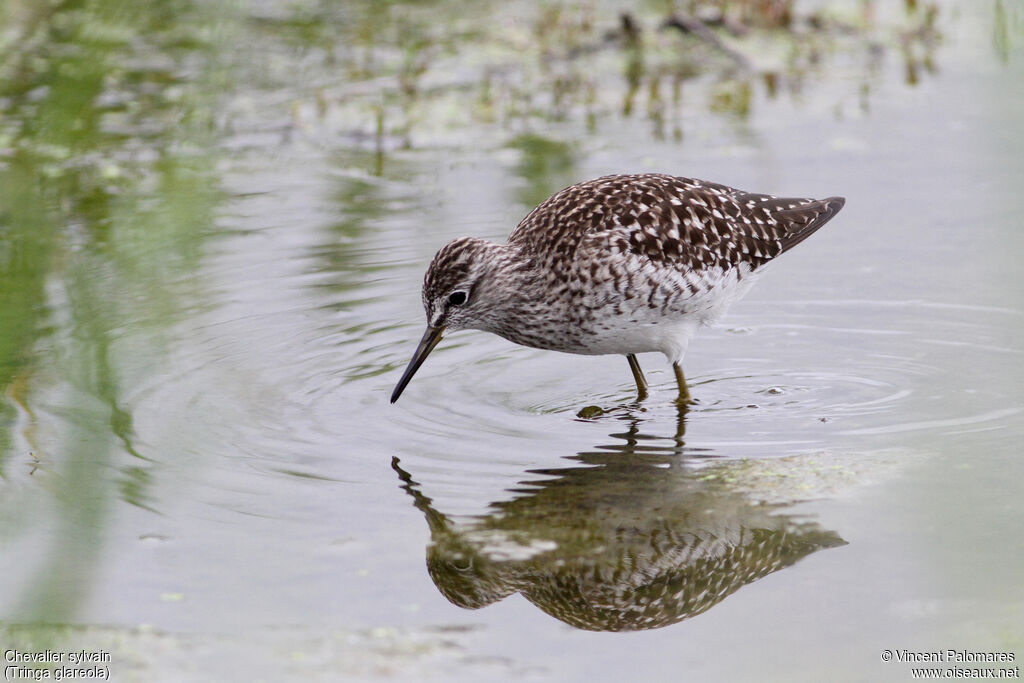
(516,291)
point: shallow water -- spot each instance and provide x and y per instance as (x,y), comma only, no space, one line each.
(212,236)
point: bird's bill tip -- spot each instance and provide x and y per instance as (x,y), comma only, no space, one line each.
(430,339)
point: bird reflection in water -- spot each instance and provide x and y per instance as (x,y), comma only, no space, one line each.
(627,538)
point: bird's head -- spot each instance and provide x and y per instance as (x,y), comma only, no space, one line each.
(456,295)
(459,292)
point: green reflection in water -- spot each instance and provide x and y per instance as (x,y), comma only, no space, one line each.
(26,241)
(106,193)
(545,165)
(420,74)
(1007,28)
(346,267)
(627,539)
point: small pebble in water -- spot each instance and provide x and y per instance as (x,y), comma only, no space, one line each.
(154,538)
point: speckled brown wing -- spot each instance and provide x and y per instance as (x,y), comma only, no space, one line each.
(721,227)
(693,224)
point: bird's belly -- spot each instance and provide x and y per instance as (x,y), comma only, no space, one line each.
(659,319)
(631,335)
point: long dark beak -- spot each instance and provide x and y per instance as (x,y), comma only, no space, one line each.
(430,339)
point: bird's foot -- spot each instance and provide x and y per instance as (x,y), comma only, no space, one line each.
(686,401)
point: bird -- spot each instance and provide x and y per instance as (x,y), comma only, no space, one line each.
(621,264)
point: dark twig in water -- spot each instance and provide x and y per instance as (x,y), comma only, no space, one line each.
(696,27)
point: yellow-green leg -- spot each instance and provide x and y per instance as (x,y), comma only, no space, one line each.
(684,391)
(638,375)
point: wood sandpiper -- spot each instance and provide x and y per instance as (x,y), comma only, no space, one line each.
(621,264)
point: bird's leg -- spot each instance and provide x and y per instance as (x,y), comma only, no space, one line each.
(684,391)
(638,375)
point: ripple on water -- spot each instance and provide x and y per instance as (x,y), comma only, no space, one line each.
(916,366)
(778,388)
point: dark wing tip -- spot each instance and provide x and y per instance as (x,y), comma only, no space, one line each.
(834,204)
(804,220)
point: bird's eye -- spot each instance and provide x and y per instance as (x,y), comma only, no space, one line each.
(457,298)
